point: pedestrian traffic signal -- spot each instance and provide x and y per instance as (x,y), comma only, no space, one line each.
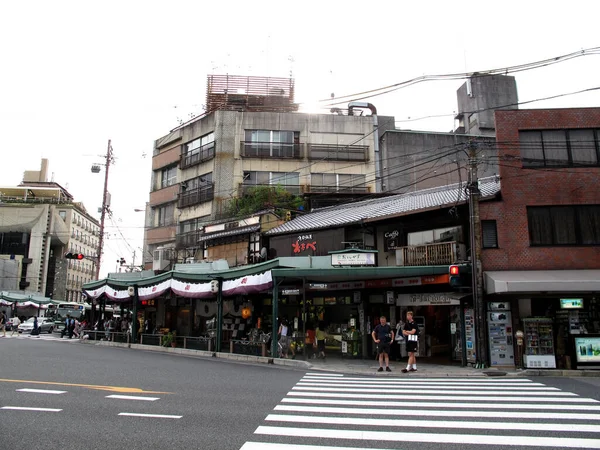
(455,279)
(70,255)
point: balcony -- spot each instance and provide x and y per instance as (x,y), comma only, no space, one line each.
(197,155)
(332,152)
(438,254)
(196,196)
(278,150)
(187,240)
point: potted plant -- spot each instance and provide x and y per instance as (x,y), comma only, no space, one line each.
(168,340)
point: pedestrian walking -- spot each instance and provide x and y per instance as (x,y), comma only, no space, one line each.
(320,336)
(383,336)
(3,323)
(15,325)
(411,334)
(284,338)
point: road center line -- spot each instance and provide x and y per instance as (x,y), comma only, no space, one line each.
(41,391)
(133,397)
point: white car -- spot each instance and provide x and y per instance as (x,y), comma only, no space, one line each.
(44,324)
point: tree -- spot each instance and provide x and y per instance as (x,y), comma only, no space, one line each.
(260,198)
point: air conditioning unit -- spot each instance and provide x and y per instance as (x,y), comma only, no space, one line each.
(162,258)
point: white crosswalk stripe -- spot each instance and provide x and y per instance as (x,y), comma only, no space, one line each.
(336,412)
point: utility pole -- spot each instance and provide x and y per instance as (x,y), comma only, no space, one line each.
(477,275)
(109,159)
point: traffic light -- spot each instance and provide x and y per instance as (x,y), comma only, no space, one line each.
(71,255)
(455,279)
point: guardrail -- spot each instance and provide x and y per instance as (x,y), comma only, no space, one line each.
(189,342)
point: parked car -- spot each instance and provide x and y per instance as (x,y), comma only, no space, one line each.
(44,324)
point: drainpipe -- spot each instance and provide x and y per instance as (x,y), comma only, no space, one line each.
(351,107)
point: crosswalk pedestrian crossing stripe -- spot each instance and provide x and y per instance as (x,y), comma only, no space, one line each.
(433,386)
(423,382)
(276,446)
(452,424)
(322,374)
(449,397)
(454,413)
(422,379)
(428,390)
(407,404)
(438,438)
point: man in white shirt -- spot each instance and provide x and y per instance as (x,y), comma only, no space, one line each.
(15,324)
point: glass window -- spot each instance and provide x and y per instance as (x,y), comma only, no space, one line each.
(564,225)
(165,215)
(489,234)
(168,177)
(559,148)
(555,148)
(583,147)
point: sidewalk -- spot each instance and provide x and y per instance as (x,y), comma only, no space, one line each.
(362,366)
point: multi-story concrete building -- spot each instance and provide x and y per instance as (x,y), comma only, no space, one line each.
(251,137)
(39,222)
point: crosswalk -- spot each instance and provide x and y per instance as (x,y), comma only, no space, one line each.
(41,337)
(338,412)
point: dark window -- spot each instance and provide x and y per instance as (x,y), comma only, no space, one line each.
(196,190)
(199,150)
(271,144)
(489,234)
(560,148)
(564,225)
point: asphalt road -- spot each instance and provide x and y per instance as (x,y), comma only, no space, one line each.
(70,395)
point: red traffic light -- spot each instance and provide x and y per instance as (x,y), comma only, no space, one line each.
(454,270)
(70,255)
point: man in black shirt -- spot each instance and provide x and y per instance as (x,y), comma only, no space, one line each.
(411,333)
(383,336)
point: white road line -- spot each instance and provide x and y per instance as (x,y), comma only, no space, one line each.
(25,408)
(448,398)
(462,439)
(428,390)
(41,391)
(451,424)
(532,386)
(405,404)
(443,413)
(326,375)
(422,380)
(133,397)
(155,416)
(275,446)
(376,388)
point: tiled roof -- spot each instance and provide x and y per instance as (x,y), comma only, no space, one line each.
(377,209)
(233,232)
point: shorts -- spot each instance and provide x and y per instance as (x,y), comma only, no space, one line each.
(412,346)
(383,347)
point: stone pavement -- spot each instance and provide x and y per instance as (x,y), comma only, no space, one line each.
(363,367)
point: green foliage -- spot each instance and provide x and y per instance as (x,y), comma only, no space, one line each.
(265,197)
(167,339)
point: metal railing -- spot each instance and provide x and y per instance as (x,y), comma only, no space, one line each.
(195,196)
(311,188)
(428,254)
(292,189)
(338,152)
(197,155)
(187,342)
(287,150)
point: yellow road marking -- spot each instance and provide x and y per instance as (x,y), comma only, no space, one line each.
(88,386)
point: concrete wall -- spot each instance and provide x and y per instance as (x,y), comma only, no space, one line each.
(414,160)
(529,187)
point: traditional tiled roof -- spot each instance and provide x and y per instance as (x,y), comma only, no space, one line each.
(387,207)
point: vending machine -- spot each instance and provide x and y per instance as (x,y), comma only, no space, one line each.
(470,339)
(500,334)
(539,343)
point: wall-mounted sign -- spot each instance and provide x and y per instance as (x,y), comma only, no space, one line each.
(389,296)
(587,349)
(304,242)
(290,292)
(424,299)
(390,240)
(571,303)
(353,259)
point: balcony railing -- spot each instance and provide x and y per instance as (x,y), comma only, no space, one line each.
(334,152)
(430,254)
(198,155)
(187,240)
(336,189)
(195,196)
(292,189)
(287,150)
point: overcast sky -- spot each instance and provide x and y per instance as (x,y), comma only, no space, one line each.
(78,73)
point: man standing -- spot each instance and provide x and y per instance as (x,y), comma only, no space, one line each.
(411,333)
(383,335)
(3,323)
(15,325)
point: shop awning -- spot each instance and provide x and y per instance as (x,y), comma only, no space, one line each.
(234,232)
(539,281)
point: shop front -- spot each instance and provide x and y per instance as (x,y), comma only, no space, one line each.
(558,313)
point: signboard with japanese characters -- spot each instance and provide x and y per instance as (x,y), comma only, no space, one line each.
(424,299)
(318,243)
(353,259)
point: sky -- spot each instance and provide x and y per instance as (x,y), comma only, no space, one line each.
(76,74)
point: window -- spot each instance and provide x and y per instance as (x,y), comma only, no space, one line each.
(271,144)
(338,152)
(196,190)
(564,225)
(164,215)
(168,177)
(337,182)
(560,148)
(63,215)
(453,234)
(198,150)
(289,180)
(489,234)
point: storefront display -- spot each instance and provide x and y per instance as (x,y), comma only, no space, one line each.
(500,337)
(470,338)
(587,351)
(539,343)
